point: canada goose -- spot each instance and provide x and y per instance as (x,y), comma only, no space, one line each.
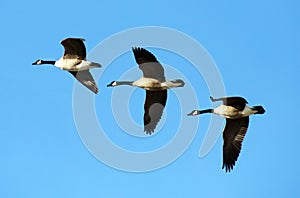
(155,84)
(237,113)
(74,61)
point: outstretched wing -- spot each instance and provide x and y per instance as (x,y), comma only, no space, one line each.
(236,102)
(85,78)
(74,48)
(154,106)
(233,136)
(149,65)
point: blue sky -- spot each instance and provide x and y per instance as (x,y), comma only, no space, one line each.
(255,45)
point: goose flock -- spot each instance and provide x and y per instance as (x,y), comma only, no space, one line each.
(234,109)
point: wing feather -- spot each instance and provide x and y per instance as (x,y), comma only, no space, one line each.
(154,105)
(149,65)
(233,136)
(74,48)
(236,102)
(85,78)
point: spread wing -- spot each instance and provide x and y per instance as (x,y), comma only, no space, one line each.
(74,48)
(236,102)
(233,136)
(149,65)
(154,106)
(85,78)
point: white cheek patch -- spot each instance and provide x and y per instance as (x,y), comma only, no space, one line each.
(114,83)
(248,111)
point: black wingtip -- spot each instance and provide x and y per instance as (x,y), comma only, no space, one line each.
(193,113)
(228,167)
(93,89)
(149,127)
(135,49)
(149,132)
(110,84)
(140,50)
(73,38)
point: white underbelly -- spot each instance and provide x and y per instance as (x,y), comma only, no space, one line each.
(148,84)
(231,112)
(73,64)
(226,111)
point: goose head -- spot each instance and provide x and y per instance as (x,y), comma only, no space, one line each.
(194,113)
(42,62)
(38,62)
(112,84)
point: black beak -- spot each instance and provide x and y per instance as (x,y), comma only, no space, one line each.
(190,114)
(110,84)
(34,63)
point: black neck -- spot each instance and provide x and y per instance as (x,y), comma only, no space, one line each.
(206,111)
(48,62)
(124,82)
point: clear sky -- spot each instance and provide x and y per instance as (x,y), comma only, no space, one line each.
(255,46)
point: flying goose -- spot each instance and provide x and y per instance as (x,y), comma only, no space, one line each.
(237,113)
(74,61)
(155,84)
